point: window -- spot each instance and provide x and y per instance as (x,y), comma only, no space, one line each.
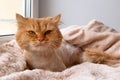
(8,9)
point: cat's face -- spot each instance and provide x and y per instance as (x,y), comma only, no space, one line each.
(38,34)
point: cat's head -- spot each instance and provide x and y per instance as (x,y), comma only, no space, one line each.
(38,33)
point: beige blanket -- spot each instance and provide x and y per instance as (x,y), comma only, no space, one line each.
(93,35)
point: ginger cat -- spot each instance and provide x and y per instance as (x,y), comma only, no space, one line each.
(44,47)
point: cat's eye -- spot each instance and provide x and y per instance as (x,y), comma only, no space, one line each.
(31,32)
(48,32)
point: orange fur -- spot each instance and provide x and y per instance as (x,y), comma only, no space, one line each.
(98,56)
(40,27)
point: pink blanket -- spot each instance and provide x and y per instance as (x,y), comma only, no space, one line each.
(94,35)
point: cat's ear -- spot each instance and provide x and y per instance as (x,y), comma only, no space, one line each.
(20,19)
(56,19)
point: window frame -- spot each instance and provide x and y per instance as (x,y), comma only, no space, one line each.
(32,8)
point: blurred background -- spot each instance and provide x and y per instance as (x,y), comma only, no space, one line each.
(74,12)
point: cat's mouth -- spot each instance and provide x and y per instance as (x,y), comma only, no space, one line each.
(39,47)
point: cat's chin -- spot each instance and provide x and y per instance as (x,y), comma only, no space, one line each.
(39,48)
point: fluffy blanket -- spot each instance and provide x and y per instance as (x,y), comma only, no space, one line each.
(93,35)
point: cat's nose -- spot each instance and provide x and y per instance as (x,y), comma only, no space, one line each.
(41,39)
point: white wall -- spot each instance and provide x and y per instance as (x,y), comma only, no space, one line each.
(80,12)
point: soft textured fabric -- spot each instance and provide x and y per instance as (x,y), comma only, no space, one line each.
(93,35)
(11,58)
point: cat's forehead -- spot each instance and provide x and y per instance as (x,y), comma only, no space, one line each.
(40,24)
(42,21)
(45,19)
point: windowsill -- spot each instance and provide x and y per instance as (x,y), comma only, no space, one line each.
(7,35)
(5,38)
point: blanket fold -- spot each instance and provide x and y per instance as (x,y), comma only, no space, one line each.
(94,35)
